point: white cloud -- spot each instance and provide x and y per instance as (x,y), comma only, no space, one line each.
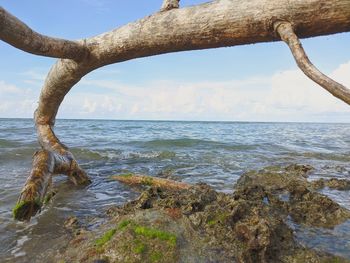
(284,96)
(16,101)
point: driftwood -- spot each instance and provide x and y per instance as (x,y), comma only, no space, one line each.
(219,23)
(144,180)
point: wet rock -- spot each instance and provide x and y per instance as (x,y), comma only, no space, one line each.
(300,169)
(71,222)
(304,204)
(201,225)
(334,183)
(314,209)
(100,261)
(274,178)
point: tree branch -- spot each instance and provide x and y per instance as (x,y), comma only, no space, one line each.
(142,180)
(19,35)
(286,32)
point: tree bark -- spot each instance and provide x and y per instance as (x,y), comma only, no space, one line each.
(19,35)
(285,30)
(169,4)
(219,23)
(143,180)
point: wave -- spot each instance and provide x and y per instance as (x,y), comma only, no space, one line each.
(127,128)
(15,154)
(110,154)
(344,157)
(187,143)
(8,143)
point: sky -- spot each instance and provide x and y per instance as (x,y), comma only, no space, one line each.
(258,82)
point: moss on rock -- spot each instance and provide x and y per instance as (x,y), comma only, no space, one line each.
(106,237)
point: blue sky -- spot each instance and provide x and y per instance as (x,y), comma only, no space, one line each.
(257,82)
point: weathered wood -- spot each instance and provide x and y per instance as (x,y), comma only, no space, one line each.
(219,23)
(46,163)
(143,180)
(215,24)
(285,30)
(169,4)
(16,33)
(36,186)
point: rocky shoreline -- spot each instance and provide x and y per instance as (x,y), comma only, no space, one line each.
(197,224)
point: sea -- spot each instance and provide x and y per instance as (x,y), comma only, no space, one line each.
(216,153)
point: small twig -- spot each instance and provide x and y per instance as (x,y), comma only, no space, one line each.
(286,32)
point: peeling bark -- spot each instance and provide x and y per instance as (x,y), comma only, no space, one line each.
(219,23)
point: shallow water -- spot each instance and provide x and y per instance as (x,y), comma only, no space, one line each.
(213,152)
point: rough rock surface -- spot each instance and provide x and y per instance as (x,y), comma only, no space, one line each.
(202,225)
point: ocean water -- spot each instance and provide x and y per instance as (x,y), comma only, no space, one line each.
(216,153)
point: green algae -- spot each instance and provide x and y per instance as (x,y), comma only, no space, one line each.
(126,175)
(139,247)
(123,224)
(106,237)
(148,232)
(211,222)
(147,181)
(155,233)
(49,197)
(156,256)
(18,207)
(21,209)
(218,218)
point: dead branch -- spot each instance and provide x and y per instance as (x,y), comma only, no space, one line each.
(143,180)
(286,32)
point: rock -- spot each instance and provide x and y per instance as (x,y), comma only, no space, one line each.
(334,183)
(304,205)
(199,224)
(71,223)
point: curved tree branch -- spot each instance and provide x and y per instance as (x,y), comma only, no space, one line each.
(220,23)
(19,35)
(286,32)
(55,158)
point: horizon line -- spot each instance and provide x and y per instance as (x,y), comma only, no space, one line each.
(164,120)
